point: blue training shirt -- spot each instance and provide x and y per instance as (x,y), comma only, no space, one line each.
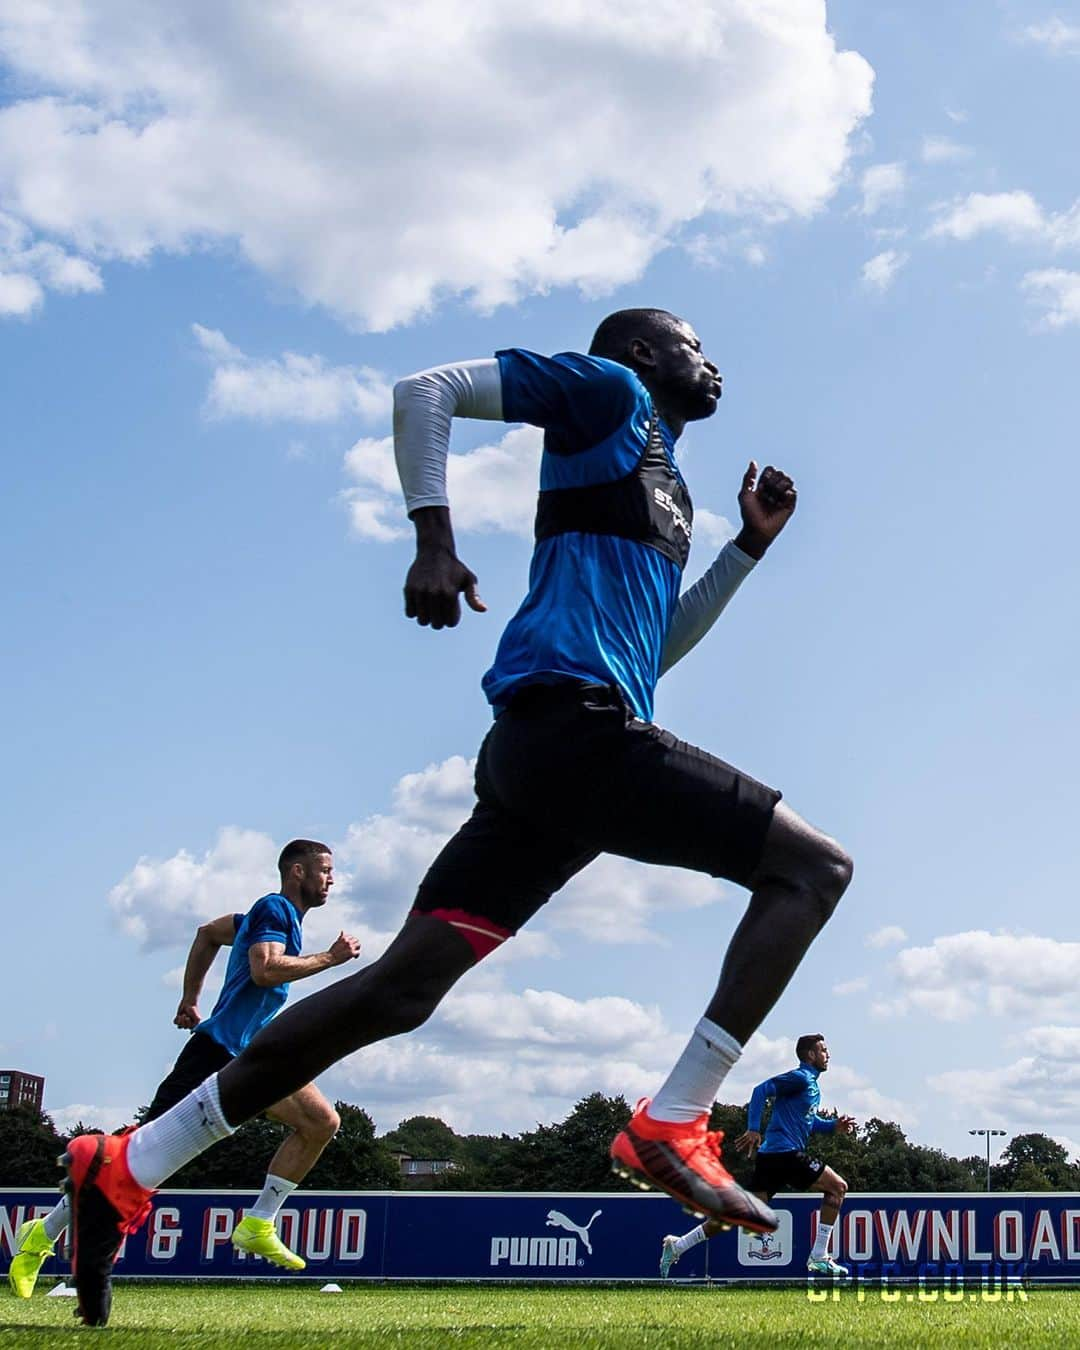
(795,1117)
(599,606)
(244,1007)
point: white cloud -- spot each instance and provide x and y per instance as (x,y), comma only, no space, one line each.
(19,294)
(290,388)
(460,1068)
(1038,1091)
(854,1095)
(379,158)
(1017,215)
(1021,219)
(943,150)
(543,1017)
(882,185)
(492,489)
(889,936)
(492,1087)
(1058,292)
(1055,34)
(108,1118)
(881,270)
(1001,973)
(160,902)
(945,1005)
(585,906)
(717,250)
(711,529)
(1053,1042)
(1069,1144)
(28,269)
(857,985)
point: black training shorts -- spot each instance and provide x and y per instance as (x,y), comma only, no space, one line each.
(796,1170)
(199,1060)
(568,772)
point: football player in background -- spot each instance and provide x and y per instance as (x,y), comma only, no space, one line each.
(264,960)
(780,1159)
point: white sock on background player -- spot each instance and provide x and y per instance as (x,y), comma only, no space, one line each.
(821,1242)
(57,1219)
(273,1195)
(691,1239)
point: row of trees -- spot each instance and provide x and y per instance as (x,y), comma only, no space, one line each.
(571,1155)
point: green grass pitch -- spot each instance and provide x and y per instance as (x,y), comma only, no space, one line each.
(418,1317)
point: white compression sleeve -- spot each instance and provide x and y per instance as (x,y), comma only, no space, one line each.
(700,606)
(424,405)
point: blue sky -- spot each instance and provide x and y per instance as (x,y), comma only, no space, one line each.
(223,236)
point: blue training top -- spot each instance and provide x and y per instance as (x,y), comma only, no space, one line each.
(599,603)
(794,1115)
(244,1007)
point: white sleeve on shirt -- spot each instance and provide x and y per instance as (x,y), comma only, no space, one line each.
(700,606)
(424,405)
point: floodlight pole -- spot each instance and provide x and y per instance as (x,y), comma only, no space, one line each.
(988,1133)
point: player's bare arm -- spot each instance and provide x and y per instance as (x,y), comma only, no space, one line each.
(209,939)
(270,965)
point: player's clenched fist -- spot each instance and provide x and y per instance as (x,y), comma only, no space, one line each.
(766,504)
(344,948)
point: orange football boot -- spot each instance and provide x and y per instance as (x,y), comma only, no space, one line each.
(107,1203)
(685,1161)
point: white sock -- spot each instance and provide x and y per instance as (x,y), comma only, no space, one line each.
(693,1083)
(821,1242)
(57,1219)
(690,1239)
(161,1147)
(272,1197)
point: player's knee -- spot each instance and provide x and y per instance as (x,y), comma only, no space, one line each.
(839,1192)
(319,1124)
(832,871)
(329,1123)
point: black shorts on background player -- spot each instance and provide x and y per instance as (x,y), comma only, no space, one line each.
(796,1170)
(199,1060)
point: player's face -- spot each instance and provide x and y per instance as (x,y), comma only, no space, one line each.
(690,383)
(819,1056)
(318,878)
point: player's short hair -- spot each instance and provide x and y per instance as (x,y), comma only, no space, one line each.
(296,850)
(613,337)
(805,1044)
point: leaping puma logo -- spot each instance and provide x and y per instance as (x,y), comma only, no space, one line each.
(555,1219)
